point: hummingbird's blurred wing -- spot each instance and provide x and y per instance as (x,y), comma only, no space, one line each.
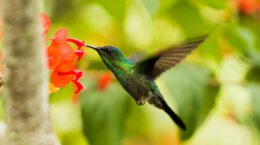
(162,61)
(137,56)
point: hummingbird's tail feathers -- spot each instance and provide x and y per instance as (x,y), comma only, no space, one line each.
(173,115)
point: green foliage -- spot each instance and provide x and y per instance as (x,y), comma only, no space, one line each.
(194,25)
(216,3)
(116,8)
(193,93)
(211,48)
(253,74)
(255,93)
(151,5)
(240,38)
(104,115)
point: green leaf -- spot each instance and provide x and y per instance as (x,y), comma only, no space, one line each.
(116,8)
(254,57)
(189,19)
(217,4)
(189,86)
(240,38)
(61,10)
(104,114)
(210,49)
(151,5)
(244,40)
(253,74)
(255,94)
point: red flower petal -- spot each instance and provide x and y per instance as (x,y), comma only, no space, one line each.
(53,56)
(60,37)
(78,74)
(77,42)
(79,86)
(45,22)
(79,53)
(58,54)
(104,81)
(67,53)
(62,75)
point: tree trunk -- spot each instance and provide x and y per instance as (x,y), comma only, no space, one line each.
(25,76)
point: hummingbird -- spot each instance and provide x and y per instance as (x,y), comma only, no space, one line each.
(137,74)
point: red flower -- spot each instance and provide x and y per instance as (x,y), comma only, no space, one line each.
(62,58)
(104,81)
(249,6)
(62,61)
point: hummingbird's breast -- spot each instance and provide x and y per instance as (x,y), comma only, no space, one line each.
(137,85)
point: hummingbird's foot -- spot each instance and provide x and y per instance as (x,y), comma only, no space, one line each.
(141,101)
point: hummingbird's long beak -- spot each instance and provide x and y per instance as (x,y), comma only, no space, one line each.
(93,47)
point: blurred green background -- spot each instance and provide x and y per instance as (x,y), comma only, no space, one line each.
(216,90)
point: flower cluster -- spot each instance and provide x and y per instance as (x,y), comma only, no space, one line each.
(62,57)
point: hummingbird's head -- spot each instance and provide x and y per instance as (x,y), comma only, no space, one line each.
(108,52)
(111,56)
